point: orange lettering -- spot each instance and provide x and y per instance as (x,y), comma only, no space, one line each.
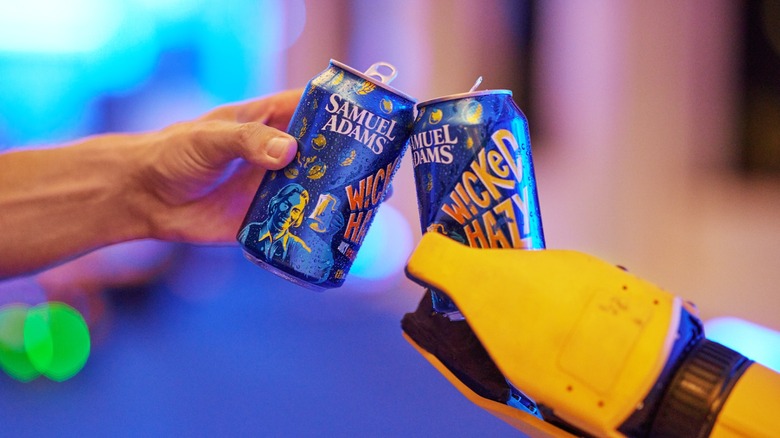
(458,211)
(505,208)
(376,195)
(352,230)
(495,235)
(468,180)
(475,235)
(355,197)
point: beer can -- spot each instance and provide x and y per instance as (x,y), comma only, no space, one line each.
(308,220)
(474,174)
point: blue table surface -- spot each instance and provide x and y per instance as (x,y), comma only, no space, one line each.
(219,347)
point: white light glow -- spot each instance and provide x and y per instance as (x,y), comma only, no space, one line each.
(169,9)
(386,247)
(756,342)
(62,26)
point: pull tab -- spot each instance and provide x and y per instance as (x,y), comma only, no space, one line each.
(374,72)
(476,84)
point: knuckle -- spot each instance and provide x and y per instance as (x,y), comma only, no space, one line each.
(244,133)
(197,131)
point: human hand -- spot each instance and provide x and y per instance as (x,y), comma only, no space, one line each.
(199,177)
(189,182)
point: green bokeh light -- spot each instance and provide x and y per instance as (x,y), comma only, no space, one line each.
(13,357)
(51,339)
(56,339)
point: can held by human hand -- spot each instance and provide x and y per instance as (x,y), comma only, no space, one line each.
(474,174)
(308,220)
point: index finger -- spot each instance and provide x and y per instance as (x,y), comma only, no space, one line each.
(274,110)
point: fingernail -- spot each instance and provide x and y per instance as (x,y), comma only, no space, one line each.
(278,146)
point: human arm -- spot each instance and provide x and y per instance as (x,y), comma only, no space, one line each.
(189,182)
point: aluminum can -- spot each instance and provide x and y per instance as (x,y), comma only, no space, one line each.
(308,220)
(474,174)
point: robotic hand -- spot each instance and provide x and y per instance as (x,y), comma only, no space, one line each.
(600,351)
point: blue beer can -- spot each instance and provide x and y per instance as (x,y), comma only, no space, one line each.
(308,220)
(474,174)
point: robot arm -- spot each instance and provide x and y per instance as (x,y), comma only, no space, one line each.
(601,351)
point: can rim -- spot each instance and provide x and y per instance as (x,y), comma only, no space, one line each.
(372,80)
(463,95)
(281,273)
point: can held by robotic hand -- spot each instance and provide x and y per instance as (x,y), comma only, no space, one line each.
(474,174)
(308,220)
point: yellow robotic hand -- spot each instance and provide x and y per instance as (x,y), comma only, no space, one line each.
(599,351)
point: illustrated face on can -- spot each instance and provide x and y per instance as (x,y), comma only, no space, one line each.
(286,208)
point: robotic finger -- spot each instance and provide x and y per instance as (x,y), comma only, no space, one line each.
(600,351)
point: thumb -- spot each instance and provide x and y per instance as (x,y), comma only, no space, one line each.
(255,142)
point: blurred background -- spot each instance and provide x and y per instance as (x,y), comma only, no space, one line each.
(656,138)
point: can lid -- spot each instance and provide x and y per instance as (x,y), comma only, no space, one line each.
(471,93)
(375,76)
(374,71)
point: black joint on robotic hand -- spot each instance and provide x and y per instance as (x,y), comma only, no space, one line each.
(458,348)
(698,390)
